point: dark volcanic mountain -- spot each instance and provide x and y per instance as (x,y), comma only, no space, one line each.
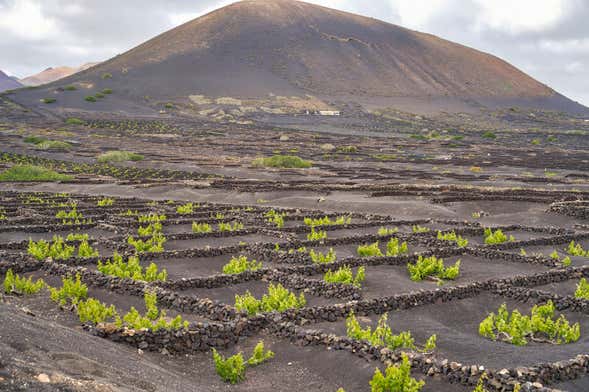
(8,83)
(261,48)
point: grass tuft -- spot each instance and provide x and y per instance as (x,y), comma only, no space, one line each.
(32,173)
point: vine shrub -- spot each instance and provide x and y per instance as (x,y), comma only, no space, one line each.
(432,267)
(238,265)
(201,227)
(453,237)
(106,202)
(394,248)
(185,209)
(576,249)
(57,249)
(86,251)
(318,235)
(383,231)
(153,320)
(94,311)
(15,284)
(345,275)
(155,244)
(383,335)
(131,269)
(326,221)
(420,229)
(396,379)
(369,250)
(230,227)
(77,237)
(278,298)
(233,369)
(541,325)
(496,237)
(582,289)
(71,291)
(323,258)
(151,218)
(149,230)
(72,214)
(275,218)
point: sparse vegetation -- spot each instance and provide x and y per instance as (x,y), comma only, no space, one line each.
(419,229)
(383,231)
(26,173)
(105,202)
(496,237)
(278,299)
(396,379)
(15,284)
(201,227)
(235,226)
(432,267)
(90,98)
(582,290)
(119,156)
(154,318)
(71,291)
(323,258)
(282,161)
(317,235)
(396,248)
(326,221)
(344,275)
(452,237)
(275,218)
(232,369)
(48,100)
(185,209)
(540,326)
(131,269)
(155,244)
(369,250)
(576,249)
(94,311)
(238,265)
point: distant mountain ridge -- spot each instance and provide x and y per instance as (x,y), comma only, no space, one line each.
(7,82)
(255,49)
(52,74)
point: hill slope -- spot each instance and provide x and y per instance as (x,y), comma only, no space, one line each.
(256,48)
(7,83)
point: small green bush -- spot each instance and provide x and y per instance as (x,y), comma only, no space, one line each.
(541,325)
(496,237)
(57,249)
(230,227)
(107,75)
(106,91)
(420,229)
(323,258)
(70,88)
(282,161)
(383,231)
(576,249)
(75,121)
(94,311)
(72,214)
(25,173)
(54,145)
(33,139)
(278,298)
(369,250)
(582,289)
(155,244)
(259,355)
(432,267)
(48,100)
(395,248)
(13,283)
(154,318)
(149,230)
(396,379)
(489,135)
(185,209)
(86,251)
(105,202)
(201,228)
(238,265)
(317,235)
(77,237)
(151,218)
(452,237)
(71,291)
(344,275)
(230,369)
(99,95)
(275,218)
(326,221)
(131,269)
(90,98)
(119,156)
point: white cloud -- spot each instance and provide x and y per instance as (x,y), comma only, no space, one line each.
(24,19)
(519,16)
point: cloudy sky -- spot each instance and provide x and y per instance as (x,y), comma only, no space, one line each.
(549,39)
